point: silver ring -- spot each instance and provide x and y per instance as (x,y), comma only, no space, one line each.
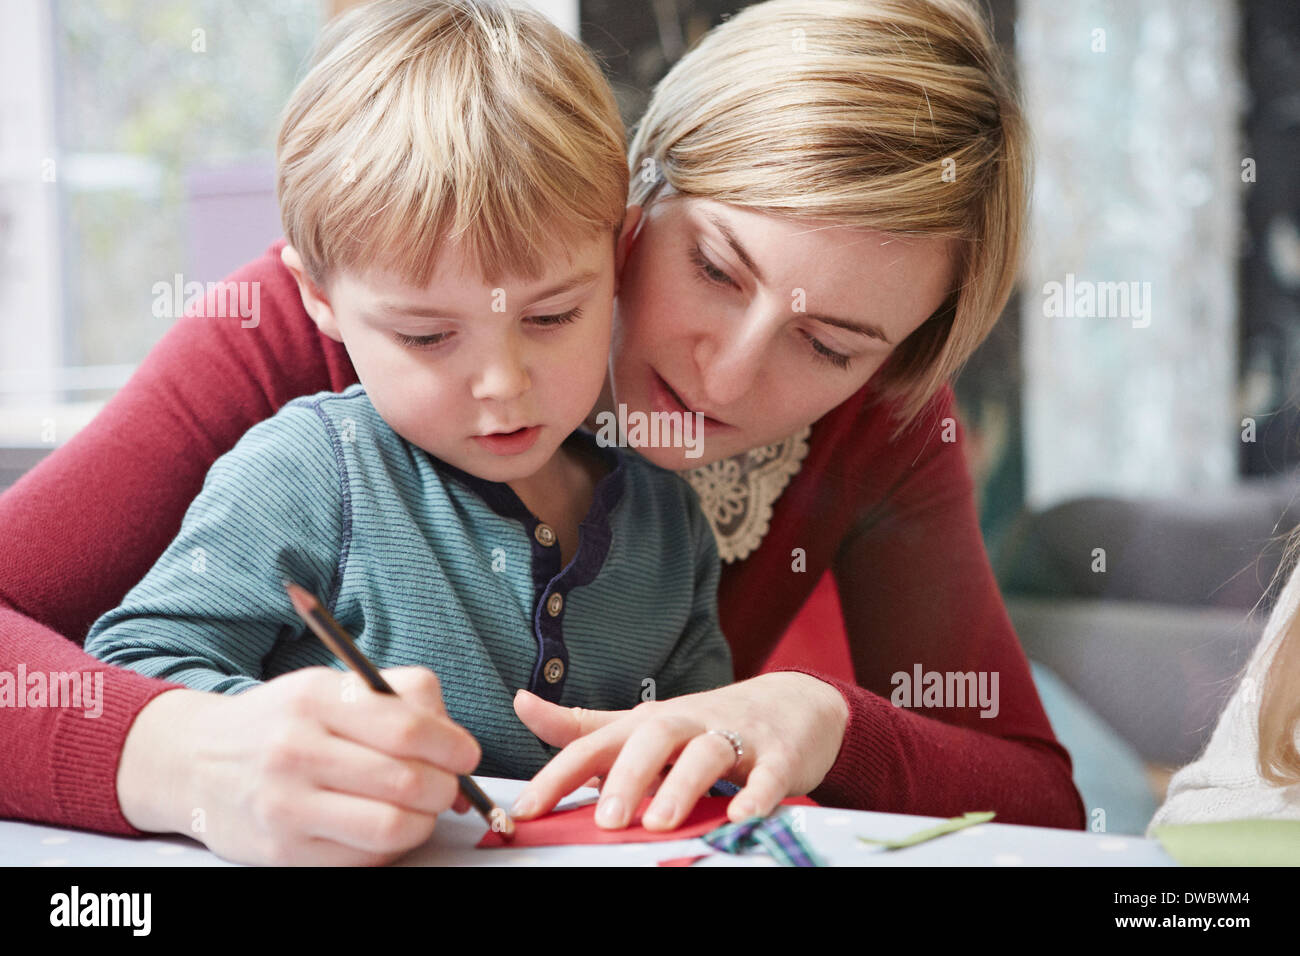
(732,738)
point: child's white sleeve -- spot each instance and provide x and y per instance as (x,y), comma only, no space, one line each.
(1224,782)
(211,609)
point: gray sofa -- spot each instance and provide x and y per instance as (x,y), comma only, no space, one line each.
(1153,645)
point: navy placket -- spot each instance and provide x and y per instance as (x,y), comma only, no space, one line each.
(551,583)
(549,589)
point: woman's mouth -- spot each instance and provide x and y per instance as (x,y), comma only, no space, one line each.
(510,443)
(665,399)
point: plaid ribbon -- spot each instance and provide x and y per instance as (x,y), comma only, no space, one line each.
(771,833)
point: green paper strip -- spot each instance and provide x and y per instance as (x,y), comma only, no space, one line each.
(929,833)
(1232,842)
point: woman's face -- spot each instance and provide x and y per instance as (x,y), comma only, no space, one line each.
(762,323)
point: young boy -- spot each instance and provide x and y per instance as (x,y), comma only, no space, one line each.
(452,185)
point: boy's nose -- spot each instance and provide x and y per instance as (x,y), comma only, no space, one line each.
(503,377)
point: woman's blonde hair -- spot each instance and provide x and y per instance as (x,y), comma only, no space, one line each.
(893,115)
(425,120)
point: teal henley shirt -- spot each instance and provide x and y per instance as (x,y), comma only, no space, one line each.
(424,564)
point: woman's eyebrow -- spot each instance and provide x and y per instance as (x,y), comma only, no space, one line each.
(736,247)
(860,328)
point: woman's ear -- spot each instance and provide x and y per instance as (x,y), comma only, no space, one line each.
(313,299)
(626,240)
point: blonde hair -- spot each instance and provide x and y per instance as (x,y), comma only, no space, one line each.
(853,111)
(421,121)
(1279,703)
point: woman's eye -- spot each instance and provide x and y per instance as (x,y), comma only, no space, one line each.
(838,359)
(422,341)
(563,318)
(708,270)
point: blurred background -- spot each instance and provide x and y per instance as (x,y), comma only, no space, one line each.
(1135,469)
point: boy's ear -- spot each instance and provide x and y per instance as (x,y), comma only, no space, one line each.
(626,240)
(313,299)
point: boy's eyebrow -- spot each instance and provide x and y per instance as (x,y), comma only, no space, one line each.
(849,325)
(423,311)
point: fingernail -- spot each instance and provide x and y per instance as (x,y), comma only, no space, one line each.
(661,814)
(524,805)
(746,810)
(610,812)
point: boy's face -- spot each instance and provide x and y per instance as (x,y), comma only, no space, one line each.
(490,379)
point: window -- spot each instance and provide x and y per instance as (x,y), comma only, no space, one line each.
(117,118)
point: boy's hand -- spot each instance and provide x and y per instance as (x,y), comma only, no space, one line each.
(312,768)
(791,726)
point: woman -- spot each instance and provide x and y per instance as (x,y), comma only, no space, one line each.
(827,204)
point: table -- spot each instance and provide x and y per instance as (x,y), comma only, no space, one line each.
(833,833)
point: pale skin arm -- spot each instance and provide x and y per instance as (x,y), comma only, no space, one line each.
(791,726)
(296,773)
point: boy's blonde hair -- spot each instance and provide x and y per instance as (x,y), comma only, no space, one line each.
(894,115)
(421,121)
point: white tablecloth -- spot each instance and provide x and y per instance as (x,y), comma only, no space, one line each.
(833,833)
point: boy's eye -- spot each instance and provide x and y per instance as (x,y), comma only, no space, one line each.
(422,341)
(708,270)
(437,338)
(551,320)
(838,359)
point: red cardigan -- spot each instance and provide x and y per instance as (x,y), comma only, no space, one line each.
(894,521)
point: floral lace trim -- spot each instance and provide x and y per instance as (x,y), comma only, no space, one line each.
(737,493)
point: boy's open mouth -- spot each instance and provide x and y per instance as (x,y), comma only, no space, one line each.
(510,443)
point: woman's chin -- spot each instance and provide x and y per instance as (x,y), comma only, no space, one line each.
(678,458)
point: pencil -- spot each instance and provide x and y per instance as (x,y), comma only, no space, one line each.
(333,636)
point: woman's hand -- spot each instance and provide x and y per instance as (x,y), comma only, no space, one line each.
(312,768)
(791,726)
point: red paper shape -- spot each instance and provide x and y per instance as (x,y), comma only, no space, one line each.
(577,825)
(683,860)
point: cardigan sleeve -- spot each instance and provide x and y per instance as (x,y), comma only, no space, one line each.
(212,609)
(86,523)
(919,597)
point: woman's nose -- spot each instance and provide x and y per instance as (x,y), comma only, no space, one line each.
(729,359)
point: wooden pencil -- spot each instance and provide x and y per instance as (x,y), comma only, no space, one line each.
(334,637)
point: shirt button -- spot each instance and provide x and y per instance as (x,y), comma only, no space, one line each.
(553,670)
(555,604)
(544,535)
